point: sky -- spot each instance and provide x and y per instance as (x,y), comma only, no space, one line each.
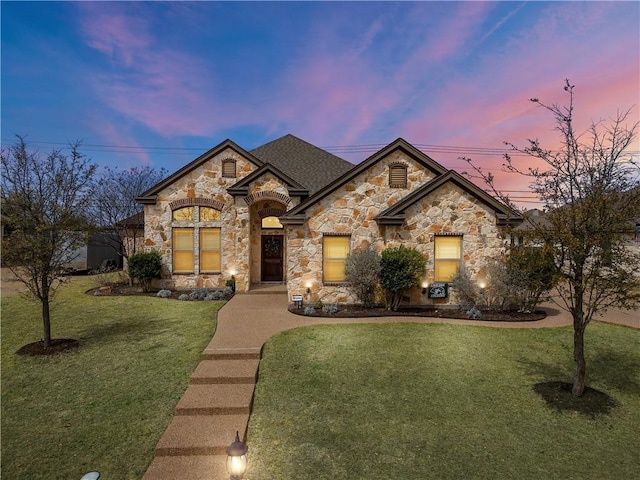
(159,83)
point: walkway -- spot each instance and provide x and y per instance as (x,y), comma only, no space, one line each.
(217,402)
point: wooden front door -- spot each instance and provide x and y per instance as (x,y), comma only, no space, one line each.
(272,258)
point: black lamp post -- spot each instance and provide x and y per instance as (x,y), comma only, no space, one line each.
(237,458)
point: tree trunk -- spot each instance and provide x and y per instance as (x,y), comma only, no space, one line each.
(46,320)
(578,356)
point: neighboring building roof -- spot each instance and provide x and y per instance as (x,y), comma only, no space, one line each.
(305,163)
(395,214)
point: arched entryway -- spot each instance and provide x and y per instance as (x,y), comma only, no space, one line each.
(268,244)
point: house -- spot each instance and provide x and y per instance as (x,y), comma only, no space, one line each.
(290,212)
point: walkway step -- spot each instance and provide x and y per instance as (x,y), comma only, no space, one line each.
(216,400)
(201,467)
(225,371)
(231,354)
(201,435)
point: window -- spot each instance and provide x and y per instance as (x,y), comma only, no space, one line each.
(196,239)
(229,168)
(398,175)
(334,256)
(209,249)
(208,214)
(185,213)
(447,257)
(183,250)
(271,222)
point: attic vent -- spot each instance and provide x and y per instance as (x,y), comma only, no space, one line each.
(229,168)
(398,175)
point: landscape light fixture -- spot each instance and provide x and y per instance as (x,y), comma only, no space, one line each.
(237,458)
(308,288)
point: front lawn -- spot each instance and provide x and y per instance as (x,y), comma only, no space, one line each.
(104,405)
(441,402)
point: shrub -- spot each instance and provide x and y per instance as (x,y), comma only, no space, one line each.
(330,308)
(318,304)
(231,283)
(183,297)
(309,310)
(532,273)
(164,293)
(474,313)
(400,269)
(199,294)
(228,290)
(362,274)
(145,266)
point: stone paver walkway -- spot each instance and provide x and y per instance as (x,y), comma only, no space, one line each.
(217,402)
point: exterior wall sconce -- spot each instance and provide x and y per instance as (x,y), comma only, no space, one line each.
(308,288)
(237,458)
(482,284)
(425,285)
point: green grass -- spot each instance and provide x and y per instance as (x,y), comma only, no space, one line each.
(105,405)
(441,402)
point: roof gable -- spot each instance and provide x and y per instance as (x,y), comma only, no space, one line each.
(242,187)
(395,214)
(398,144)
(149,197)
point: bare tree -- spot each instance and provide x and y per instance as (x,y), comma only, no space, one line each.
(45,201)
(590,188)
(117,211)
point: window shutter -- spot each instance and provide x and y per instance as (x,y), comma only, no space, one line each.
(229,168)
(398,176)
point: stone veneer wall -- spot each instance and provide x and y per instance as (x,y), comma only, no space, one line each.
(351,210)
(205,181)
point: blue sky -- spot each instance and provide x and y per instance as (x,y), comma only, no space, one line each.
(161,82)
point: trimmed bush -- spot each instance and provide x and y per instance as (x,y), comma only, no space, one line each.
(199,294)
(164,293)
(145,266)
(309,311)
(183,297)
(330,308)
(400,269)
(362,274)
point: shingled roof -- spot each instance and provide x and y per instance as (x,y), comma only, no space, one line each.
(305,163)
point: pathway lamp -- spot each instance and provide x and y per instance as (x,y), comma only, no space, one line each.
(237,458)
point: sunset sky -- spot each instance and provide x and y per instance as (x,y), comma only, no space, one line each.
(160,83)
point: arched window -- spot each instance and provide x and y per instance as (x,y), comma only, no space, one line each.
(271,222)
(196,239)
(183,214)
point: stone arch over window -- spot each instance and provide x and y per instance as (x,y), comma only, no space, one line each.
(398,175)
(267,195)
(196,202)
(229,167)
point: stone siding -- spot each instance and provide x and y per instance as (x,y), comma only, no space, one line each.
(352,209)
(205,181)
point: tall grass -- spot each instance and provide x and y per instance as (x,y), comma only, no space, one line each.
(105,405)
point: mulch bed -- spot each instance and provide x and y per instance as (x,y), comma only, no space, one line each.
(115,290)
(355,311)
(57,345)
(558,396)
